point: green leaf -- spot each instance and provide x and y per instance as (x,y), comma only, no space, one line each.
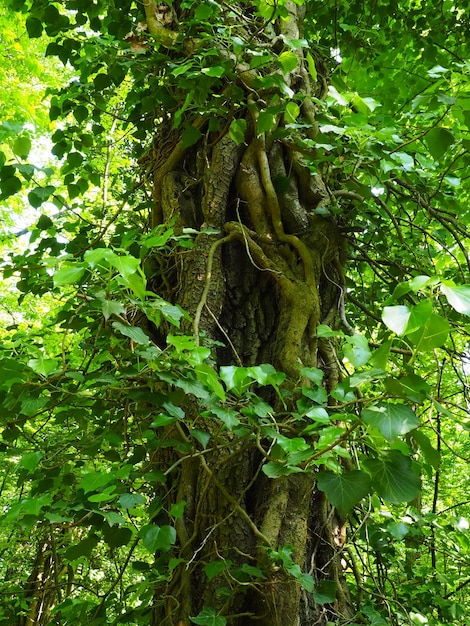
(207,375)
(31,460)
(126,265)
(191,135)
(215,71)
(68,275)
(288,60)
(392,477)
(325,592)
(458,297)
(291,112)
(356,350)
(266,122)
(208,617)
(131,500)
(34,27)
(111,307)
(157,537)
(43,366)
(344,490)
(273,469)
(94,480)
(311,67)
(237,131)
(432,334)
(134,333)
(438,141)
(431,455)
(9,186)
(391,419)
(213,568)
(22,146)
(396,318)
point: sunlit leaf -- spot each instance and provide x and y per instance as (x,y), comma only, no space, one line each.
(391,419)
(392,476)
(344,490)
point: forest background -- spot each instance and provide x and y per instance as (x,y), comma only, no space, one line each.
(234,312)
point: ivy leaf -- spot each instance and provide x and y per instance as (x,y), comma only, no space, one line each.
(457,297)
(157,537)
(207,375)
(356,350)
(325,592)
(311,67)
(396,318)
(208,617)
(344,490)
(438,141)
(134,333)
(31,460)
(237,131)
(22,146)
(131,500)
(392,476)
(432,334)
(391,419)
(68,275)
(288,60)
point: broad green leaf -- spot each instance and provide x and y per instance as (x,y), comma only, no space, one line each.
(134,333)
(22,147)
(213,568)
(311,67)
(68,275)
(288,60)
(9,186)
(43,366)
(207,375)
(266,122)
(396,318)
(273,469)
(157,537)
(31,460)
(82,548)
(325,592)
(131,500)
(344,490)
(226,415)
(391,419)
(266,374)
(208,617)
(216,71)
(432,456)
(111,307)
(94,480)
(125,264)
(432,334)
(392,477)
(438,141)
(291,112)
(34,27)
(458,297)
(191,135)
(356,350)
(411,386)
(234,377)
(237,131)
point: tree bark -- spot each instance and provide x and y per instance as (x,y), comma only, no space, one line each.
(260,287)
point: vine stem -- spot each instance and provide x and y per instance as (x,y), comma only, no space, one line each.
(205,292)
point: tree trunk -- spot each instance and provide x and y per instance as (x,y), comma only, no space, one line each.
(260,287)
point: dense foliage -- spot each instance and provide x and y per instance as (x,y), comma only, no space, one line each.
(108,386)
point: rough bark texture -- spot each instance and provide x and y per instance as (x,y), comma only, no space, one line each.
(261,287)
